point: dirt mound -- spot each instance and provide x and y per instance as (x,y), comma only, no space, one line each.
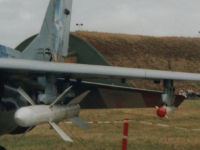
(163,53)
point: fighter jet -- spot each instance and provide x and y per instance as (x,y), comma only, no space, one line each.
(37,86)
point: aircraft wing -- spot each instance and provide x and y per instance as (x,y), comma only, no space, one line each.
(82,71)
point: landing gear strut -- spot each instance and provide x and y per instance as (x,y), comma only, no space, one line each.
(168,99)
(168,96)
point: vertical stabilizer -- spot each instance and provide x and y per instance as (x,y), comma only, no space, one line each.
(53,38)
(56,26)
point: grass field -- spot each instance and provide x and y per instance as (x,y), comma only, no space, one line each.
(109,136)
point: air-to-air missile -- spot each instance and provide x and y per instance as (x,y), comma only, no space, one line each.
(34,115)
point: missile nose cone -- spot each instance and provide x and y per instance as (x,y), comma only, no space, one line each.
(22,116)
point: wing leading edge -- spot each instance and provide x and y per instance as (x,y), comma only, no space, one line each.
(93,71)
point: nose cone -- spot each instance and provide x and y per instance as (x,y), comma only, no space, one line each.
(23,116)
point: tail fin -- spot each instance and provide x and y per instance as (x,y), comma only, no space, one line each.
(54,34)
(56,26)
(79,122)
(77,100)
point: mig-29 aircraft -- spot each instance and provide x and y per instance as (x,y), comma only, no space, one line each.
(37,86)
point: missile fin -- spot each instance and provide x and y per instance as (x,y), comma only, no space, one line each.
(25,96)
(79,122)
(61,96)
(78,99)
(62,134)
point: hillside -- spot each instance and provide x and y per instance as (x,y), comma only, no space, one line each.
(163,53)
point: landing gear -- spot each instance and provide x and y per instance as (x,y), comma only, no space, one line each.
(168,99)
(168,96)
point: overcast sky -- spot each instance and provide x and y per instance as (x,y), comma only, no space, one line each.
(20,19)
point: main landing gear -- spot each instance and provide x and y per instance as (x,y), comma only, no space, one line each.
(168,99)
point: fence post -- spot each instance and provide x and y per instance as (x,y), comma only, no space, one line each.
(125,135)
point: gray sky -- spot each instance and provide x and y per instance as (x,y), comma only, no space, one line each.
(20,19)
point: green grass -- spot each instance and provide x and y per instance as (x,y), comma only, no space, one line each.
(109,137)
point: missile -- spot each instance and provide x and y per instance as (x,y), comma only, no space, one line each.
(40,114)
(34,115)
